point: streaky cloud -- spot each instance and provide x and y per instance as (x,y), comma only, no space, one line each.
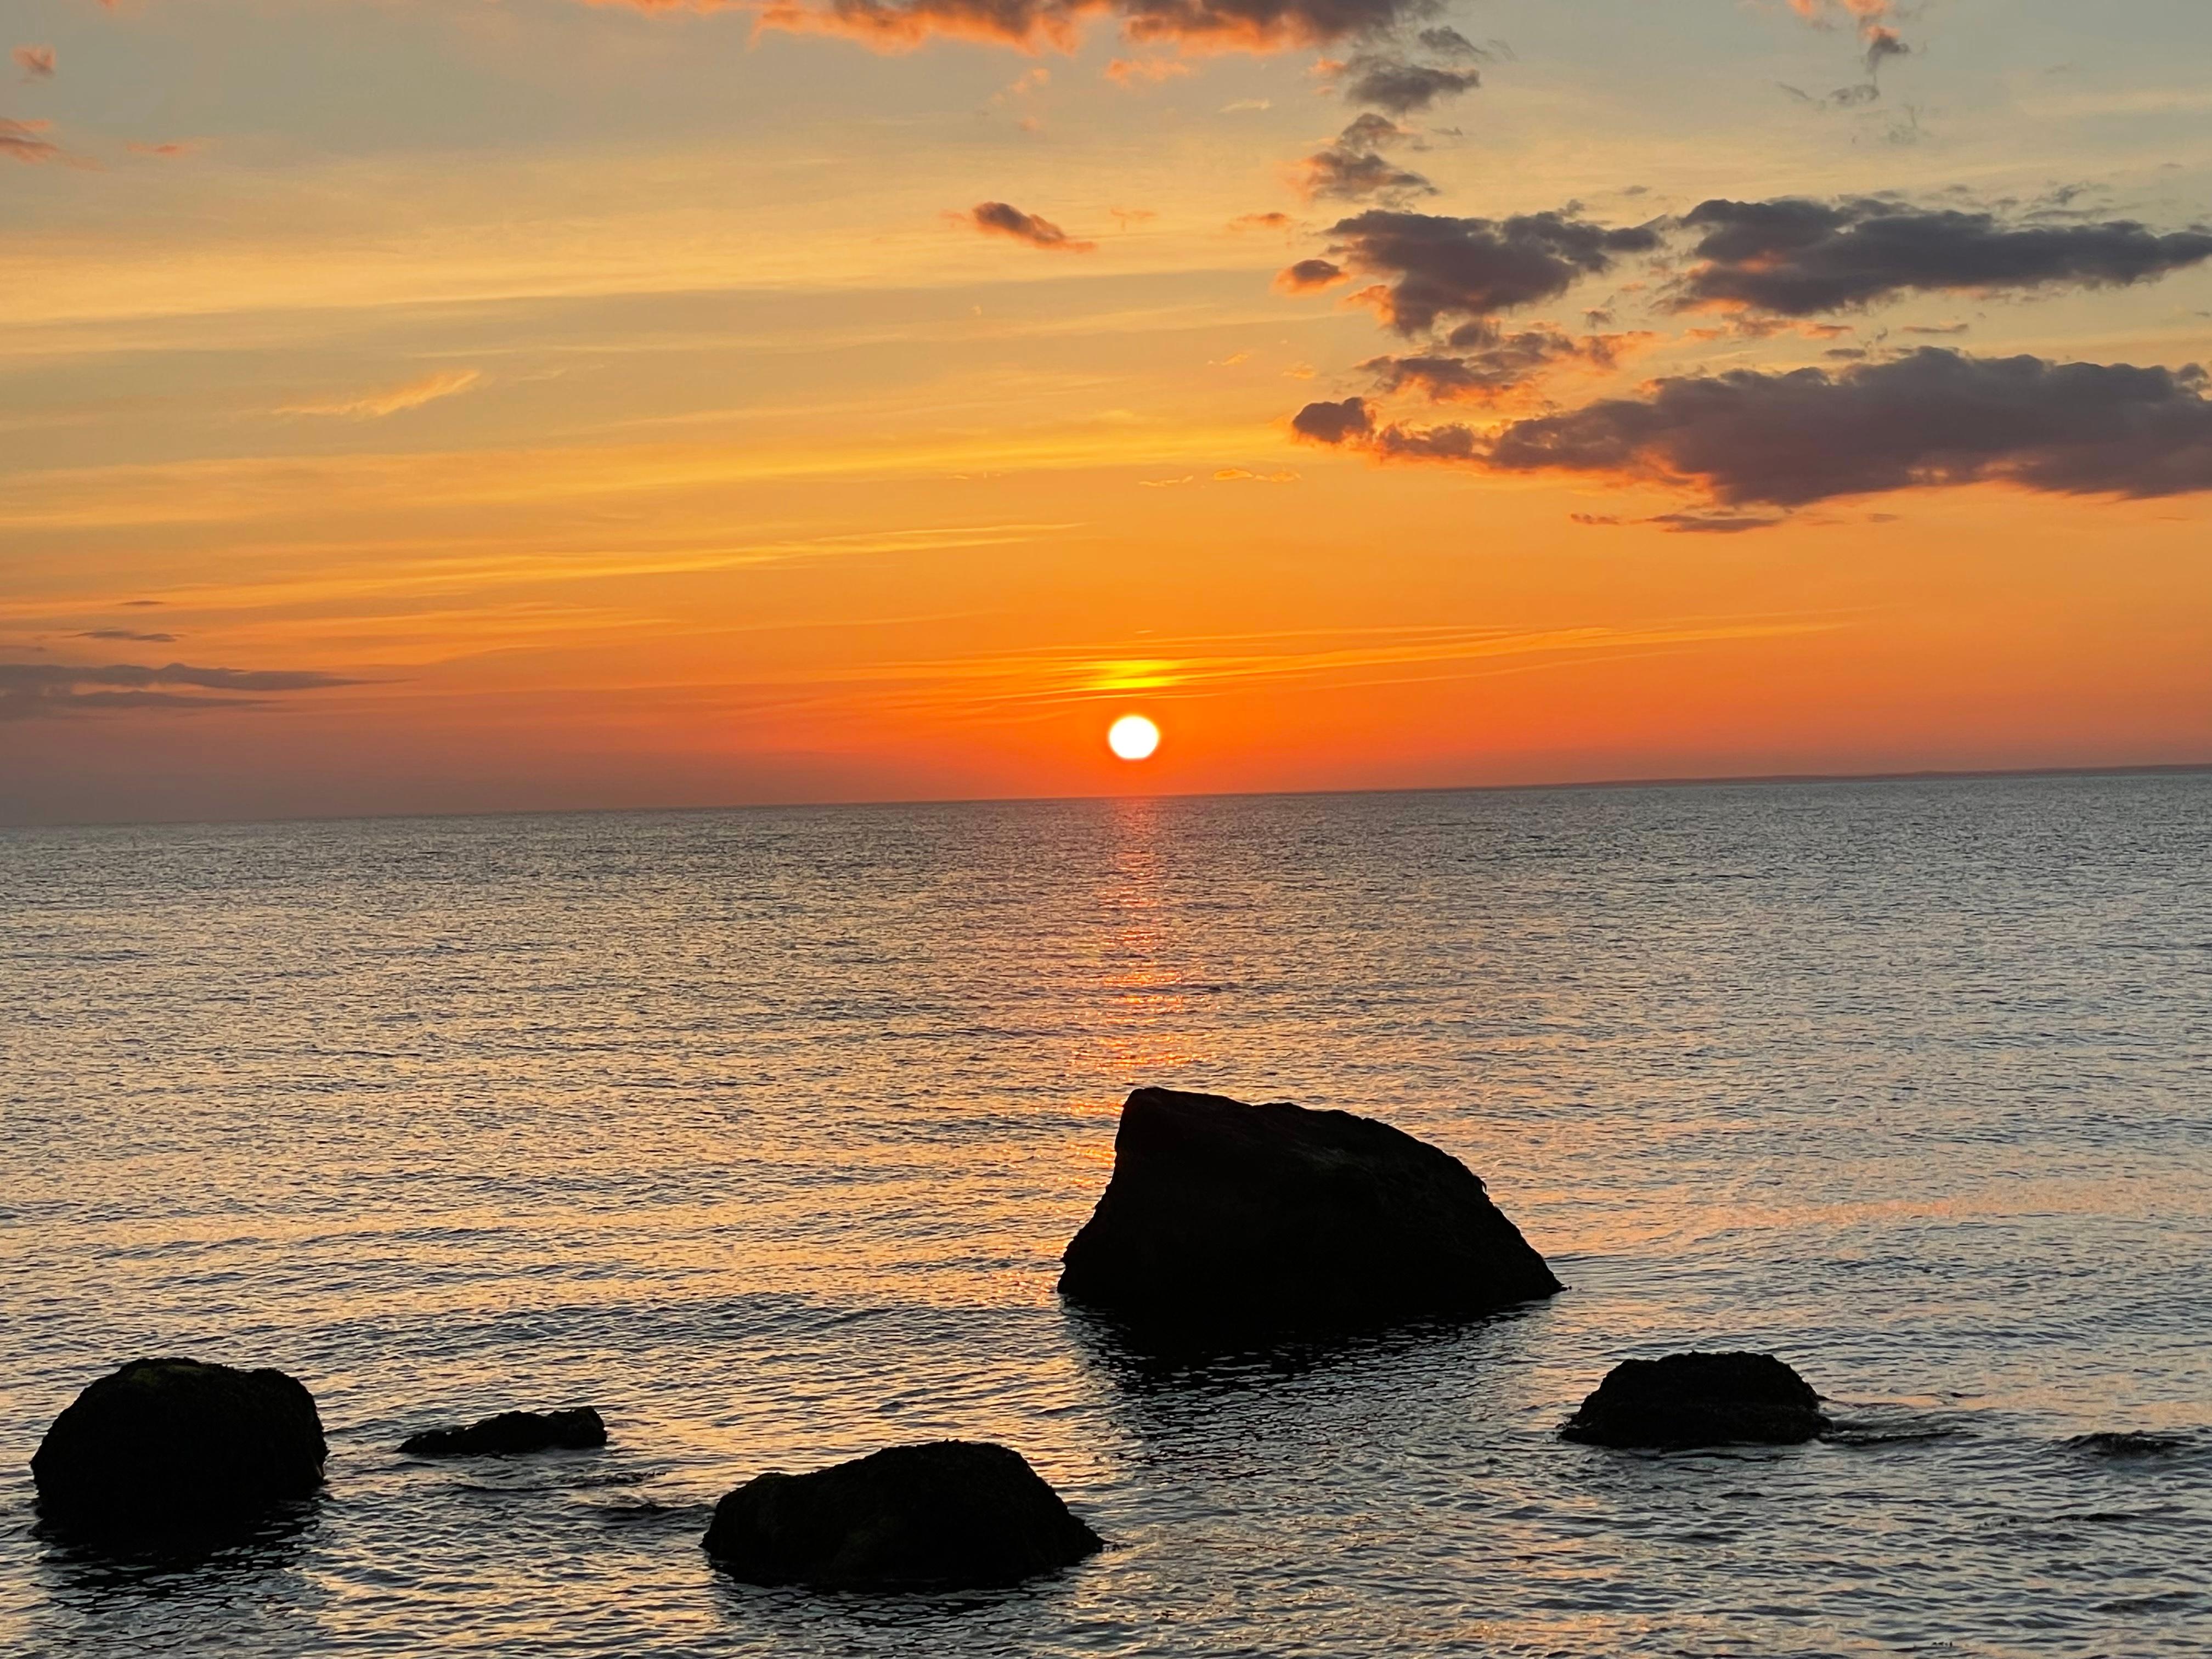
(1797,257)
(1785,439)
(33,690)
(899,25)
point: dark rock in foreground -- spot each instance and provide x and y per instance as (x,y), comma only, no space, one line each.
(574,1430)
(951,1514)
(1699,1400)
(176,1446)
(1225,1215)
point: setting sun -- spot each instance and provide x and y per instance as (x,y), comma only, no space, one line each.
(1133,737)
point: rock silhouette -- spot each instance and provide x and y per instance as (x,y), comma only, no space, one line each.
(574,1430)
(173,1445)
(1221,1214)
(949,1514)
(1699,1400)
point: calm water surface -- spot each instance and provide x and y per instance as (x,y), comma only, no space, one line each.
(762,1130)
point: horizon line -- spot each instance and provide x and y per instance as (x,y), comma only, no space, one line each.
(1704,780)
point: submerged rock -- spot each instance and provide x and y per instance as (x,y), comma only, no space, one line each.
(175,1445)
(1224,1214)
(2127,1443)
(1699,1400)
(574,1430)
(950,1514)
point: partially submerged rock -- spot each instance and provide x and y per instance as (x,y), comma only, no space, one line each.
(949,1514)
(1699,1400)
(2127,1443)
(577,1429)
(175,1445)
(1224,1214)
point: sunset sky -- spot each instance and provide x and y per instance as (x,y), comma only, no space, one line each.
(440,405)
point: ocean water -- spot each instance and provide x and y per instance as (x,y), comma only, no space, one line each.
(762,1131)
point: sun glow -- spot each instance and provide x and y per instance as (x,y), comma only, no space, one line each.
(1133,737)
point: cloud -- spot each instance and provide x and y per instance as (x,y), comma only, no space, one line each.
(168,151)
(1308,276)
(1145,71)
(1340,423)
(1356,175)
(37,62)
(1438,267)
(1493,364)
(374,405)
(1260,222)
(1353,168)
(999,219)
(28,690)
(1785,439)
(1796,257)
(1882,45)
(1381,81)
(1248,25)
(125,634)
(20,141)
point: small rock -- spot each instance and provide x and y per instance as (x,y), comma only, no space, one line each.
(574,1430)
(175,1445)
(2129,1443)
(1699,1400)
(1222,1215)
(950,1514)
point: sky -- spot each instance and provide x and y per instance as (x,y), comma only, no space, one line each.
(426,405)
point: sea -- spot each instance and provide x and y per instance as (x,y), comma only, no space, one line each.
(762,1131)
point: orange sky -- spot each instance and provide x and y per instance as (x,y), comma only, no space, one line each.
(441,407)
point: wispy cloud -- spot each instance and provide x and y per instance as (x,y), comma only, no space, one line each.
(26,141)
(1018,687)
(391,400)
(37,62)
(31,690)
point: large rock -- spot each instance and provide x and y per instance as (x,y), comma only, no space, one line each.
(951,1514)
(1699,1400)
(1221,1214)
(173,1445)
(577,1429)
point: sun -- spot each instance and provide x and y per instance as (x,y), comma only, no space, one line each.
(1133,737)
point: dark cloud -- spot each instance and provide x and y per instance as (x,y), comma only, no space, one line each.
(1373,131)
(1882,45)
(1797,257)
(30,689)
(1335,422)
(1254,25)
(1380,80)
(1436,267)
(1352,170)
(1307,275)
(1491,365)
(125,634)
(1785,439)
(1260,222)
(999,219)
(1450,42)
